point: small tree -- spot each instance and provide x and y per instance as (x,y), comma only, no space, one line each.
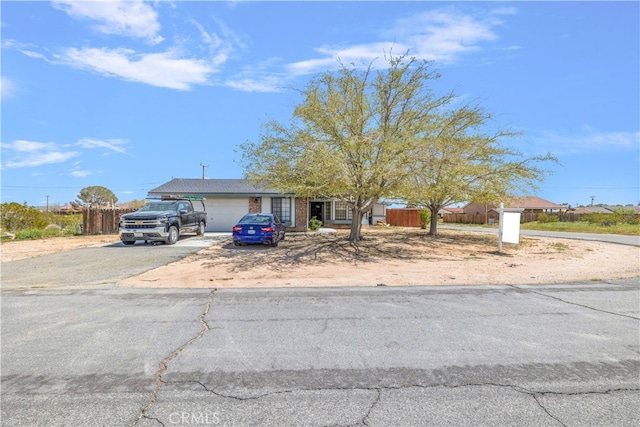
(460,160)
(97,195)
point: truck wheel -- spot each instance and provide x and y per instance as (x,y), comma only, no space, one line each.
(128,242)
(172,238)
(201,227)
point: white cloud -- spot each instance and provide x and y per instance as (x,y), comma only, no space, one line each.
(110,144)
(22,153)
(80,173)
(443,35)
(585,139)
(165,69)
(260,84)
(220,47)
(505,11)
(8,88)
(361,54)
(134,19)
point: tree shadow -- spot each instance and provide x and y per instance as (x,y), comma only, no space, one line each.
(322,249)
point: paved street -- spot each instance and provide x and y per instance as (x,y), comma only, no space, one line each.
(492,355)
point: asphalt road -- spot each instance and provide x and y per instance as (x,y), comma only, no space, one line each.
(560,355)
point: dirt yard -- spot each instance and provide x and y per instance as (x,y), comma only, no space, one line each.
(386,257)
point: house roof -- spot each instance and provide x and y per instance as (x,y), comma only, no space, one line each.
(593,209)
(454,210)
(212,187)
(526,202)
(532,202)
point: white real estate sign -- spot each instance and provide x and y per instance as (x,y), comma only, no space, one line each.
(509,228)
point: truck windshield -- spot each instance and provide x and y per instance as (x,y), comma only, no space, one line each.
(159,206)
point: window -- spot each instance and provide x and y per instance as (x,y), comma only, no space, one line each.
(342,211)
(327,211)
(282,208)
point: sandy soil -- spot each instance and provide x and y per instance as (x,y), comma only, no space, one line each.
(386,257)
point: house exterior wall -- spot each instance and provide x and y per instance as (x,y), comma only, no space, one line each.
(477,208)
(255,204)
(378,213)
(265,205)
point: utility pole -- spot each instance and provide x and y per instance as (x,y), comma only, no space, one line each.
(592,197)
(47,203)
(203,166)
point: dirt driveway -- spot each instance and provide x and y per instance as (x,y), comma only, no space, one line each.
(387,256)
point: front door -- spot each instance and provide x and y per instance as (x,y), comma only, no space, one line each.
(317,208)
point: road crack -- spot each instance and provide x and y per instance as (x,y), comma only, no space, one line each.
(162,367)
(573,303)
(364,421)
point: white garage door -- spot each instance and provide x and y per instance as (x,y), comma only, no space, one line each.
(223,214)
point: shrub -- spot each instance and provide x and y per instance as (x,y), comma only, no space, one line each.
(544,218)
(425,218)
(626,216)
(15,216)
(314,224)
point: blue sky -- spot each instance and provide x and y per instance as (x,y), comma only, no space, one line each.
(129,95)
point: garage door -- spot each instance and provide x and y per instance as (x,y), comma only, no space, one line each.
(223,214)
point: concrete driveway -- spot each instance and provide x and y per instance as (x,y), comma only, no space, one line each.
(98,265)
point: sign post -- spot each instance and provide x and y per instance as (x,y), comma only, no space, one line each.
(509,227)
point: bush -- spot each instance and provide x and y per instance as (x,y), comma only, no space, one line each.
(425,218)
(544,218)
(314,224)
(619,216)
(15,216)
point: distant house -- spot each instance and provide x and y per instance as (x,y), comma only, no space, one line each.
(529,204)
(227,200)
(592,209)
(449,210)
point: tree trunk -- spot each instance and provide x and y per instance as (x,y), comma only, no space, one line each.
(433,225)
(356,225)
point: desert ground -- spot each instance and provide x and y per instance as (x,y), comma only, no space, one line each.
(386,257)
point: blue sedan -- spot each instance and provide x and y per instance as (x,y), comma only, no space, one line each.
(258,228)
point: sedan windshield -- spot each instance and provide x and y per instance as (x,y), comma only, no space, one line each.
(255,219)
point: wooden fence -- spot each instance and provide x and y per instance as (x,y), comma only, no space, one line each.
(102,220)
(403,217)
(492,218)
(406,217)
